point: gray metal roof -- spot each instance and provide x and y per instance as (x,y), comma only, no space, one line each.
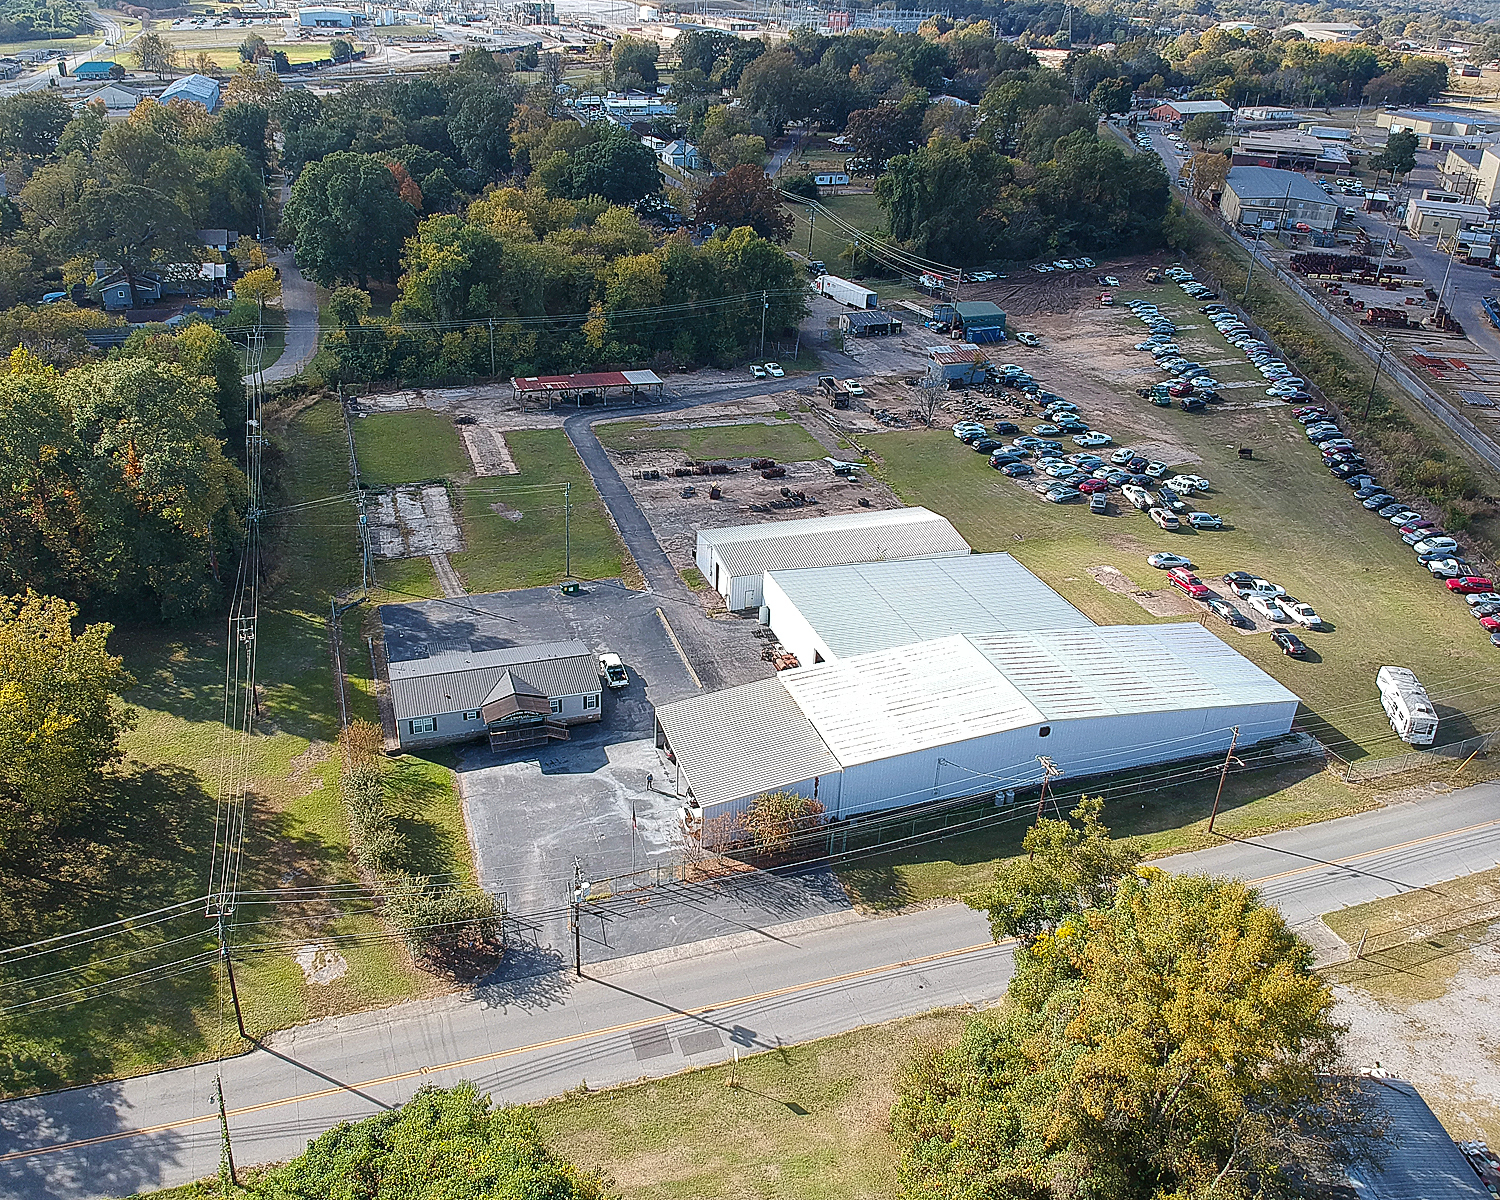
(460,681)
(1423,1163)
(1114,669)
(857,608)
(870,318)
(1268,183)
(896,533)
(744,741)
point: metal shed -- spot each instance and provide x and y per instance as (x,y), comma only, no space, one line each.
(873,322)
(981,320)
(822,614)
(735,558)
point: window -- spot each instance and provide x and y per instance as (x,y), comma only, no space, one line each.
(591,701)
(423,725)
(1044,731)
(472,715)
(557,705)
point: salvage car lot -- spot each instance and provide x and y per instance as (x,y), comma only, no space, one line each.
(1288,519)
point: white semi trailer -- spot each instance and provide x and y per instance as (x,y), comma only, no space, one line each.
(846,292)
(1406,703)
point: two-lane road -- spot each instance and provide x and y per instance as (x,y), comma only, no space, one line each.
(533,1038)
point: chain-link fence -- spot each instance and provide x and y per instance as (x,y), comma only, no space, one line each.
(1418,760)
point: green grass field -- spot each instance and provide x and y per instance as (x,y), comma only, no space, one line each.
(806,1122)
(159,823)
(407,447)
(785,441)
(514,525)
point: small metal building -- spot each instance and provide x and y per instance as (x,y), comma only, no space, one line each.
(735,559)
(981,320)
(971,714)
(963,364)
(822,614)
(874,322)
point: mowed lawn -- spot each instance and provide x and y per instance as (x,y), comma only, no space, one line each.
(806,1122)
(785,441)
(407,447)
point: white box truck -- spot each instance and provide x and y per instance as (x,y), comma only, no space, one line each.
(845,292)
(1405,702)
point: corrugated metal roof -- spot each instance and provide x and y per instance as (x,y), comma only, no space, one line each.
(1268,183)
(744,741)
(862,607)
(193,87)
(1117,669)
(978,311)
(897,533)
(460,681)
(906,699)
(870,318)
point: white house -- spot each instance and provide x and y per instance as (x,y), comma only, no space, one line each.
(680,154)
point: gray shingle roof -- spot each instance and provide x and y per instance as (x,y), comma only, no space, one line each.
(1424,1163)
(461,681)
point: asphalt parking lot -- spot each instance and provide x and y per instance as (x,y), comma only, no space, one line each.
(532,812)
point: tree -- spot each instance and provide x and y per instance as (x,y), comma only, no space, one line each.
(801,185)
(479,116)
(347,306)
(1204,128)
(1399,155)
(280,62)
(930,397)
(1112,95)
(155,54)
(258,286)
(1169,1040)
(744,197)
(937,198)
(348,219)
(32,122)
(131,226)
(1207,173)
(775,820)
(254,48)
(1069,868)
(60,717)
(452,270)
(342,50)
(636,57)
(882,132)
(614,166)
(441,1143)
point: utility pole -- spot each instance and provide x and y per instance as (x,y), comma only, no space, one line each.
(567,531)
(580,890)
(1050,771)
(234,995)
(1250,270)
(765,307)
(1385,343)
(1224,771)
(811,217)
(227,1174)
(492,347)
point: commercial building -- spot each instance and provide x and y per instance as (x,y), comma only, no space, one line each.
(963,364)
(1254,195)
(115,97)
(971,714)
(735,559)
(518,696)
(981,321)
(1186,110)
(1323,31)
(1440,129)
(1460,169)
(823,614)
(869,322)
(1261,115)
(1442,214)
(1289,149)
(325,18)
(1489,176)
(98,70)
(198,88)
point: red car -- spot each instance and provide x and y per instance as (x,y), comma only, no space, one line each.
(1188,583)
(1491,624)
(1093,485)
(1180,389)
(1469,584)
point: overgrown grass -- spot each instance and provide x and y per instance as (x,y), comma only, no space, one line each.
(149,845)
(514,526)
(407,447)
(1419,456)
(785,441)
(806,1122)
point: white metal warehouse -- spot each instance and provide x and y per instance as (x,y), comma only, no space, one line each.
(969,714)
(734,559)
(825,613)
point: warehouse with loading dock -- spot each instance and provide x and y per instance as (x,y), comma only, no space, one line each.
(735,559)
(970,714)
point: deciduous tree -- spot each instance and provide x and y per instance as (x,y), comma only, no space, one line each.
(775,820)
(1204,128)
(744,197)
(258,286)
(60,716)
(348,220)
(635,57)
(155,54)
(31,123)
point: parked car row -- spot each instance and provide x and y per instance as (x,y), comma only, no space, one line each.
(1436,549)
(774,370)
(1063,264)
(1193,387)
